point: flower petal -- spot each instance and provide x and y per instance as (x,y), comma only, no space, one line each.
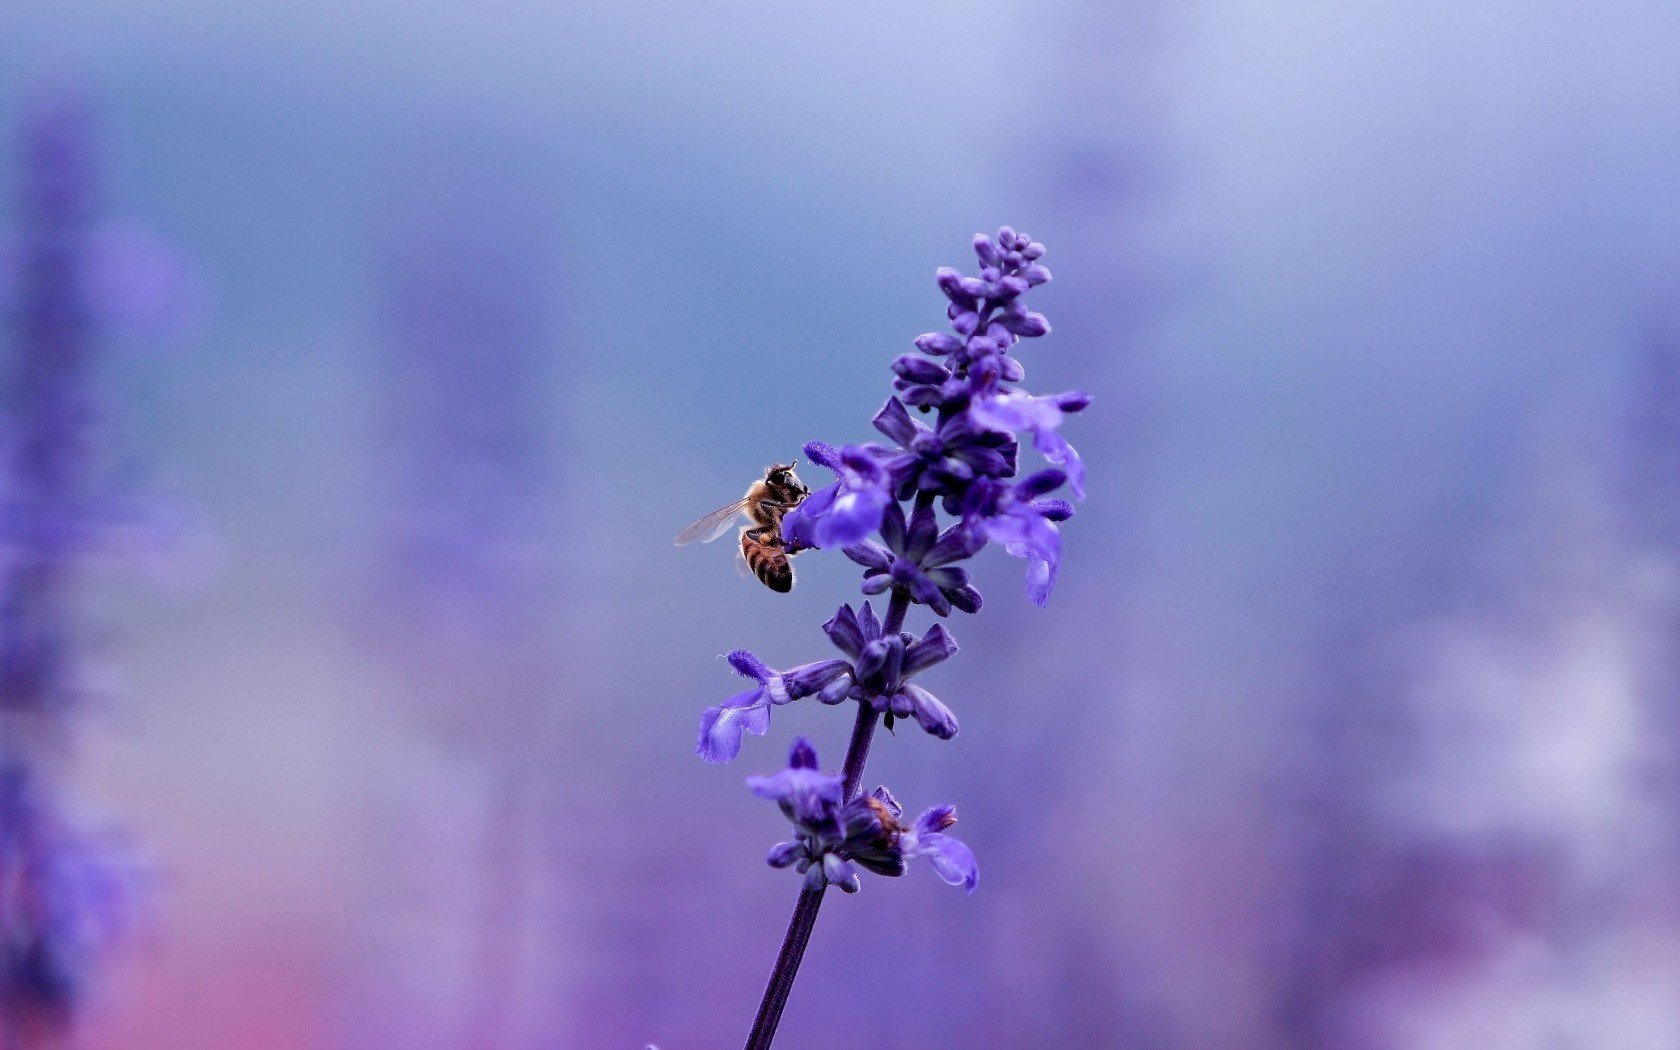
(845,632)
(929,713)
(749,666)
(951,858)
(932,648)
(895,422)
(721,727)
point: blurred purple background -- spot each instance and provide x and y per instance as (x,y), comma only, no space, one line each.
(1352,723)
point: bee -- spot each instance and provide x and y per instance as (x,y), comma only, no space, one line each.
(762,549)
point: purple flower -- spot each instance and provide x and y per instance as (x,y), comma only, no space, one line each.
(1018,517)
(950,857)
(944,458)
(883,665)
(1012,410)
(845,511)
(805,792)
(834,838)
(919,558)
(749,711)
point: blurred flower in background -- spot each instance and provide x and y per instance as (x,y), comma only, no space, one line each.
(66,894)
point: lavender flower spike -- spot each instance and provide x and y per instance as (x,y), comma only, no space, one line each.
(884,512)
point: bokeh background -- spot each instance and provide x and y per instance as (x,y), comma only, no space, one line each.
(1352,723)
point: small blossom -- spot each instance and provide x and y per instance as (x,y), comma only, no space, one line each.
(749,711)
(942,459)
(1042,416)
(804,791)
(833,839)
(1019,518)
(845,511)
(919,558)
(951,858)
(884,664)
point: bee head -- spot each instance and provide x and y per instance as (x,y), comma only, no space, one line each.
(783,477)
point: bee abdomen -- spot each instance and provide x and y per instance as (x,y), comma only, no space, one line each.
(769,564)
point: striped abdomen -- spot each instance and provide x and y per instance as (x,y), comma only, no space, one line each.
(767,560)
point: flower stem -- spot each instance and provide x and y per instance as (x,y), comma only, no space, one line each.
(805,911)
(787,967)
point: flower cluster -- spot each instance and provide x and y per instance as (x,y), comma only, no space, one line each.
(835,837)
(877,672)
(964,458)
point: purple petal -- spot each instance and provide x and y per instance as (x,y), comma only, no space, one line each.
(952,860)
(1055,448)
(923,530)
(1039,484)
(852,516)
(836,691)
(930,714)
(749,666)
(799,525)
(1015,411)
(895,422)
(843,630)
(823,454)
(938,343)
(721,727)
(867,620)
(934,647)
(893,527)
(802,755)
(883,658)
(1041,577)
(967,598)
(920,369)
(935,819)
(812,677)
(1031,326)
(954,544)
(950,282)
(925,591)
(838,870)
(885,798)
(1054,509)
(869,554)
(784,854)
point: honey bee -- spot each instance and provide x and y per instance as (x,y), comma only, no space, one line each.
(762,550)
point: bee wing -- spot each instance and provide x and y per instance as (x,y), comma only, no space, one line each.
(712,525)
(741,565)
